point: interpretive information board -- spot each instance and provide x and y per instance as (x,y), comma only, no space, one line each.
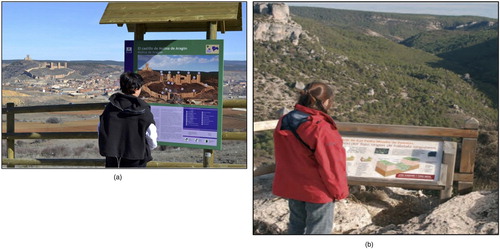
(183,82)
(195,126)
(393,158)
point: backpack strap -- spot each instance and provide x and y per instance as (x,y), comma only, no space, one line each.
(292,121)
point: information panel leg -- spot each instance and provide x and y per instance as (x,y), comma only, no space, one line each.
(449,160)
(208,158)
(465,187)
(10,130)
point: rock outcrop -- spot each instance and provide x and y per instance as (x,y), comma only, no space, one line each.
(276,98)
(474,213)
(273,23)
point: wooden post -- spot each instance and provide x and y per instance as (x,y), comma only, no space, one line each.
(212,31)
(208,154)
(449,159)
(208,158)
(10,130)
(263,170)
(265,125)
(468,156)
(139,32)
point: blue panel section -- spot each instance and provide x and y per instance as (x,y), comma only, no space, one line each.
(129,56)
(200,119)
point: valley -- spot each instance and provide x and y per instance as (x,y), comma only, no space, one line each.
(376,79)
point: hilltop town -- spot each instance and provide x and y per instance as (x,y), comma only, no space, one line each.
(85,81)
(77,79)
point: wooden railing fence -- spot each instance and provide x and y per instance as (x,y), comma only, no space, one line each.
(463,165)
(10,110)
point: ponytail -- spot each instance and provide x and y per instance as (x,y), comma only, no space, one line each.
(314,95)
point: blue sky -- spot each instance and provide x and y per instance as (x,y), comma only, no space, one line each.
(71,31)
(485,9)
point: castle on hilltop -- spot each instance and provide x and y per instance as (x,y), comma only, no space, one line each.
(37,73)
(53,65)
(49,65)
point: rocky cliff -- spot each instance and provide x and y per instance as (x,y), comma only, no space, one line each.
(272,22)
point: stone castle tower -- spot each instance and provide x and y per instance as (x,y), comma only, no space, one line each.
(179,79)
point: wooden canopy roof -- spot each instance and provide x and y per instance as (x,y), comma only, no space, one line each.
(173,16)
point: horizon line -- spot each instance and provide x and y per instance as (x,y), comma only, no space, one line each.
(79,60)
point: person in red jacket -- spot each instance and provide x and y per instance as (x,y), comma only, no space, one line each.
(310,162)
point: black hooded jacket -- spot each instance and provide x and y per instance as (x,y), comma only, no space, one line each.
(122,129)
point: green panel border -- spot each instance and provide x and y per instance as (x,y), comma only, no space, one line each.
(195,47)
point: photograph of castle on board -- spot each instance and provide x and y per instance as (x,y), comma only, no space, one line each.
(173,77)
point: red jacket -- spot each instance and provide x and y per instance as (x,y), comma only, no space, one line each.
(318,175)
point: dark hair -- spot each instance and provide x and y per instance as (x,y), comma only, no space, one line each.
(315,94)
(129,82)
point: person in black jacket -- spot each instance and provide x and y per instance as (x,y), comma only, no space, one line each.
(127,131)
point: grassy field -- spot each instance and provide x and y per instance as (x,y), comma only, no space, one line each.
(86,121)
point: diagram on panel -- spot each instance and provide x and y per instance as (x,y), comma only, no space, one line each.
(387,168)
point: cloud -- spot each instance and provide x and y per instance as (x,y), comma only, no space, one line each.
(180,62)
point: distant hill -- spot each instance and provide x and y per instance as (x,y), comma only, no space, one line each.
(393,26)
(468,44)
(16,68)
(472,51)
(105,62)
(444,41)
(235,65)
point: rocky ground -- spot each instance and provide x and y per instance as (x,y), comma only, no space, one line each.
(387,210)
(233,152)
